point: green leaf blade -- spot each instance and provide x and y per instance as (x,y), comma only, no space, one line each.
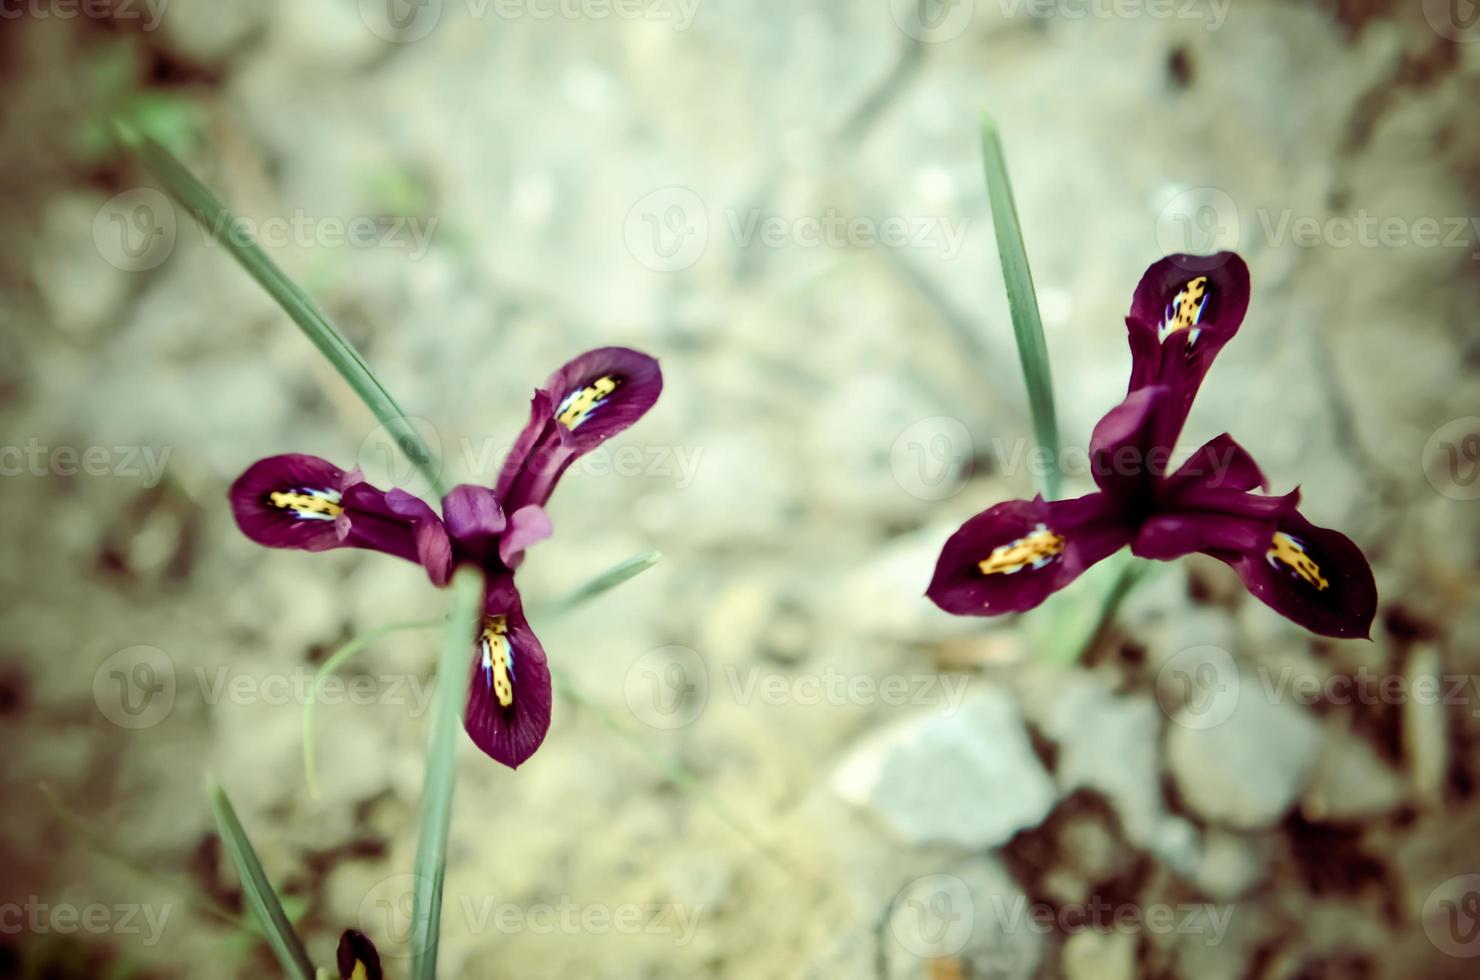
(441,772)
(261,898)
(1022,299)
(218,222)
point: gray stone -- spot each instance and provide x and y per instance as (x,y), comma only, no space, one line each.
(969,778)
(1243,758)
(972,921)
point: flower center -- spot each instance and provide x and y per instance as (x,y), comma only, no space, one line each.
(1291,552)
(1185,310)
(1036,548)
(307,505)
(579,404)
(498,659)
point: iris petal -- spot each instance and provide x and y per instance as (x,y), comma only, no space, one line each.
(1011,557)
(1315,576)
(290,501)
(509,696)
(589,400)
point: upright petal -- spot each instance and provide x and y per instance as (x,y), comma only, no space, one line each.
(475,521)
(1011,557)
(1124,458)
(1311,575)
(291,501)
(586,402)
(529,525)
(357,958)
(1219,462)
(1185,309)
(509,695)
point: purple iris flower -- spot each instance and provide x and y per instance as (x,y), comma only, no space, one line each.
(1012,556)
(304,502)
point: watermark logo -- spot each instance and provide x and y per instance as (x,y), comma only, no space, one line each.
(388,912)
(1451,459)
(932,21)
(1454,20)
(135,231)
(401,21)
(391,455)
(933,916)
(135,687)
(1198,221)
(667,688)
(1451,917)
(667,230)
(1213,13)
(932,458)
(1198,687)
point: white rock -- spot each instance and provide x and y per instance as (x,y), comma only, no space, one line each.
(1090,955)
(973,918)
(1242,759)
(1351,782)
(970,778)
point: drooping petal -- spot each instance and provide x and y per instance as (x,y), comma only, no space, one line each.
(1193,517)
(509,694)
(1312,575)
(1011,557)
(290,501)
(529,524)
(1124,458)
(357,958)
(1185,309)
(589,400)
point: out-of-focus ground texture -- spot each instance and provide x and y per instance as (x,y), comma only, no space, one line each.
(842,405)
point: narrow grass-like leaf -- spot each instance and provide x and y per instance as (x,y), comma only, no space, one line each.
(336,660)
(261,899)
(605,582)
(235,237)
(441,772)
(1022,300)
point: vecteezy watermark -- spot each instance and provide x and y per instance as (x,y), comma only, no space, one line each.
(932,458)
(1451,917)
(145,463)
(1454,20)
(137,230)
(667,688)
(1451,458)
(1013,456)
(37,917)
(670,687)
(1200,687)
(138,687)
(936,916)
(1213,13)
(1206,219)
(1098,914)
(393,458)
(405,21)
(150,12)
(669,230)
(933,916)
(386,912)
(932,21)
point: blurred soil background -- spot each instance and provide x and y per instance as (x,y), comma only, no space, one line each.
(783,202)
